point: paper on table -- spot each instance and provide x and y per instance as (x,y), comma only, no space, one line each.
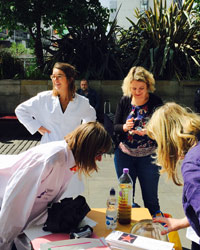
(118,239)
(37,231)
(75,244)
(87,221)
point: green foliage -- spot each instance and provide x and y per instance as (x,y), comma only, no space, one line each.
(37,16)
(10,67)
(89,46)
(34,73)
(81,13)
(165,41)
(197,6)
(33,16)
(13,66)
(18,49)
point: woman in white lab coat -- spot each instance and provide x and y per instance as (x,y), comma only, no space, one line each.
(40,175)
(57,112)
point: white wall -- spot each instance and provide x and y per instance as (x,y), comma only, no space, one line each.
(127,10)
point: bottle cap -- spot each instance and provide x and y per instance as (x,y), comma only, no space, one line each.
(112,191)
(125,170)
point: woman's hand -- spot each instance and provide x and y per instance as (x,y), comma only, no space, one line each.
(172,224)
(128,125)
(141,132)
(43,130)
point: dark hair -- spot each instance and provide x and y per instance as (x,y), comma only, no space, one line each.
(84,79)
(70,72)
(86,141)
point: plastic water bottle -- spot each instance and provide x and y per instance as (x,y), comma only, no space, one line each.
(111,211)
(125,197)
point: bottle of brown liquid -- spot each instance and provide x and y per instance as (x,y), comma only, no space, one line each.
(125,197)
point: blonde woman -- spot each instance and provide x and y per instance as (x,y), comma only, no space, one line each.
(134,148)
(57,112)
(177,133)
(39,176)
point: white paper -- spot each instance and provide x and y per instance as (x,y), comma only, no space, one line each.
(191,235)
(118,239)
(34,232)
(87,221)
(75,244)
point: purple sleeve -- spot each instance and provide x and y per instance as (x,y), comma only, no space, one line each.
(191,194)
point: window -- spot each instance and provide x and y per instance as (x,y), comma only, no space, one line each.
(144,4)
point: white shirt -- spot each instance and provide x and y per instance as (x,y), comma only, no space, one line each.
(45,110)
(28,182)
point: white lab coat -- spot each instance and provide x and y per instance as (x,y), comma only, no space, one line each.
(45,110)
(28,182)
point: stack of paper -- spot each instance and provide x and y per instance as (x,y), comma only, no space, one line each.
(126,241)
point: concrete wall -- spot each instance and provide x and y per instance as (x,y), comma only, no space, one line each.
(13,92)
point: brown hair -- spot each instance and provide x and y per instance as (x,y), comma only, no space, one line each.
(70,73)
(86,141)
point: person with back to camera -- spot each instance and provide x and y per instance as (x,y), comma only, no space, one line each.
(59,111)
(134,149)
(177,133)
(48,169)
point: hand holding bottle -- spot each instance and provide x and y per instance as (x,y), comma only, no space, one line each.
(140,131)
(128,125)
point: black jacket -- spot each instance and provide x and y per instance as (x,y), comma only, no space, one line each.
(124,108)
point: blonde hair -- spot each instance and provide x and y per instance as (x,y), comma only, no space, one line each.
(70,73)
(175,130)
(86,141)
(139,74)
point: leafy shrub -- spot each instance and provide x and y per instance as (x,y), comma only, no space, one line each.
(10,67)
(165,41)
(34,73)
(18,49)
(90,47)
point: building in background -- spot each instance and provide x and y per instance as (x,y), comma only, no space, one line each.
(127,9)
(18,36)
